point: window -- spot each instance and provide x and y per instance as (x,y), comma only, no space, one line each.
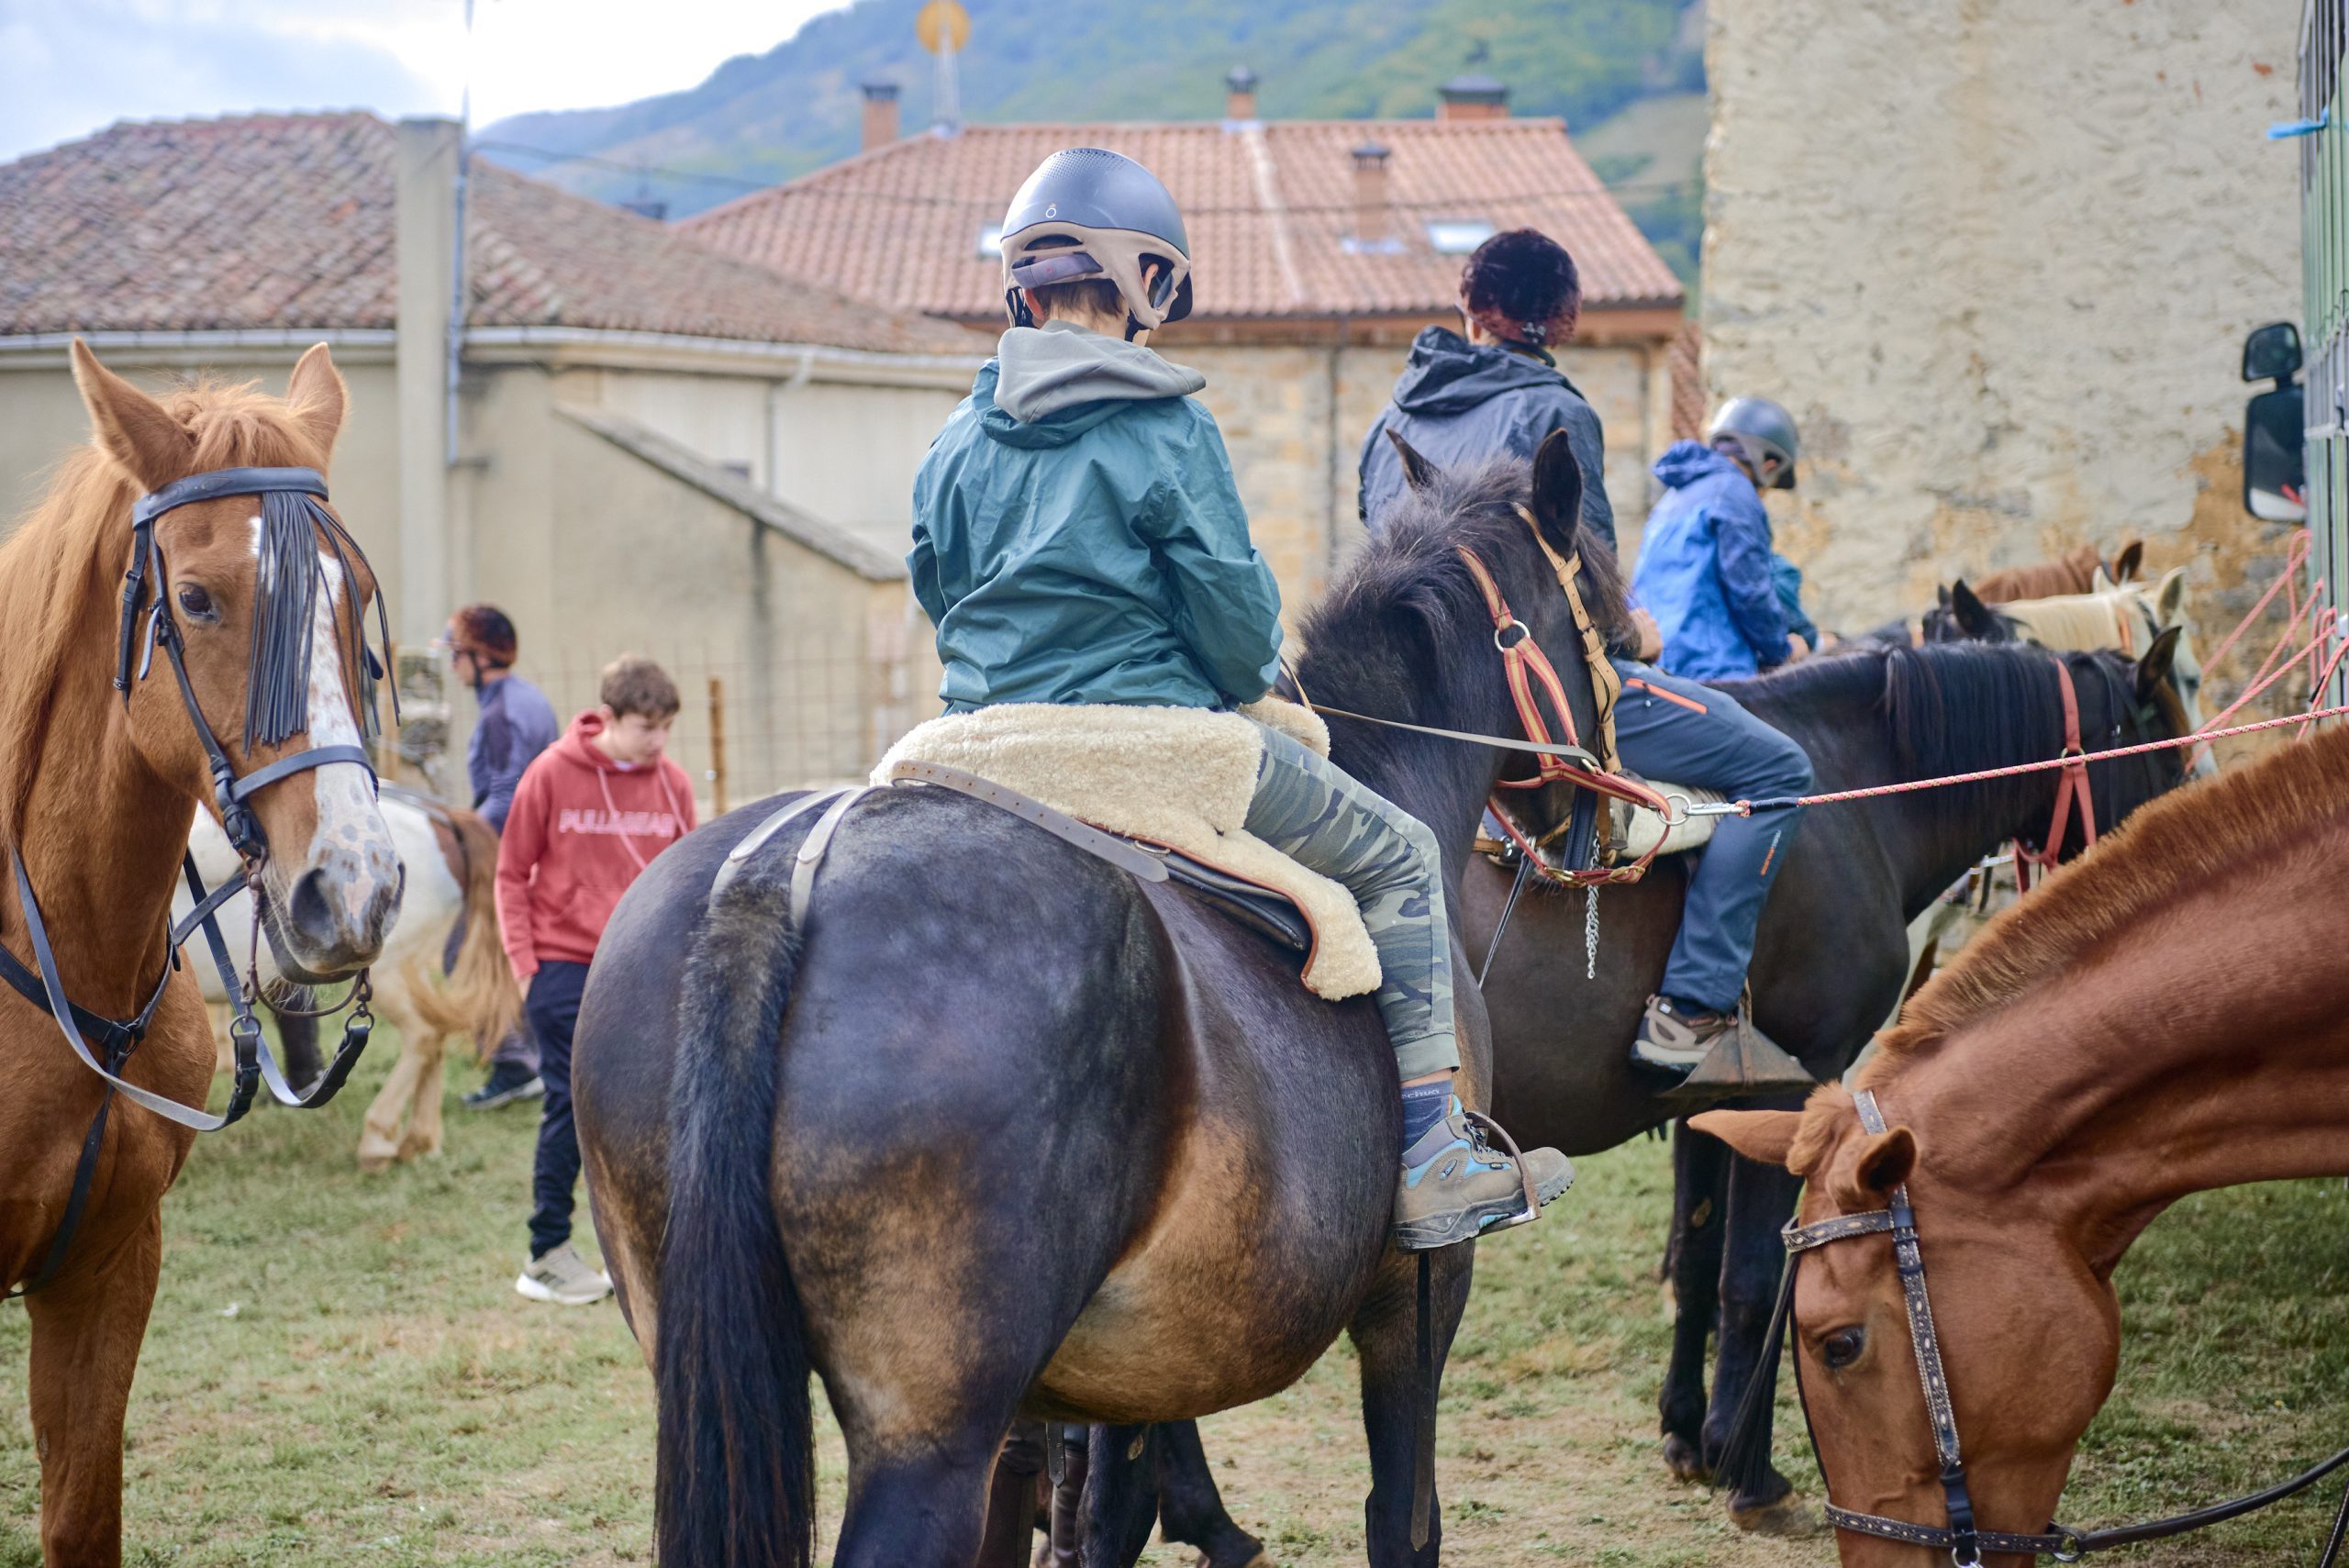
(1457,236)
(990,241)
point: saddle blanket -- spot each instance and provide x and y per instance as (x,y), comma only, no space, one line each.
(1635,829)
(1177,776)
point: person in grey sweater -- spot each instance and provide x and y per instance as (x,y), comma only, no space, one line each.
(515,724)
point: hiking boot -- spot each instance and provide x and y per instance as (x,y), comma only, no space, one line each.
(1456,1186)
(1674,1036)
(563,1277)
(508,1083)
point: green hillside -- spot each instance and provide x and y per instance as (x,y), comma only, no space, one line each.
(761,118)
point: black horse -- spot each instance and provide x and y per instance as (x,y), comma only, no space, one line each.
(1831,962)
(1003,1129)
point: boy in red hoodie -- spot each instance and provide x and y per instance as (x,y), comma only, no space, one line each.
(591,812)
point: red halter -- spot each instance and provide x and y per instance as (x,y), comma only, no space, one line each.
(2071,790)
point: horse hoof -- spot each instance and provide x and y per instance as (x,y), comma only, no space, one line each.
(1685,1459)
(1787,1519)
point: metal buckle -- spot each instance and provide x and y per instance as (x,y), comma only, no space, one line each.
(1518,626)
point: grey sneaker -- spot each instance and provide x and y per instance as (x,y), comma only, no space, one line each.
(1676,1037)
(563,1277)
(1457,1186)
(503,1089)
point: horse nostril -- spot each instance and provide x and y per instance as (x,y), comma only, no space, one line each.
(310,911)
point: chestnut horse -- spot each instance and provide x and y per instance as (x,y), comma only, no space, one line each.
(2169,1014)
(96,785)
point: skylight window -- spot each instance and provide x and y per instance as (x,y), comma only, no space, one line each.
(1457,236)
(991,241)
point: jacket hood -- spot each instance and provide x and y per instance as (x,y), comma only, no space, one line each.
(1048,385)
(1448,374)
(577,749)
(1685,462)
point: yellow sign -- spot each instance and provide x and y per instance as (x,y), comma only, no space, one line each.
(943,26)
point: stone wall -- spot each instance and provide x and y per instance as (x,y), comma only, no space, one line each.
(1999,257)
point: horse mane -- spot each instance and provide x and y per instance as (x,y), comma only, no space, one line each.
(2071,620)
(2163,852)
(65,559)
(1410,568)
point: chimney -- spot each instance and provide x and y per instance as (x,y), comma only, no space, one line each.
(880,114)
(1370,197)
(1239,97)
(1472,97)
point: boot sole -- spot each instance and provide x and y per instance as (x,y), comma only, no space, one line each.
(531,1289)
(1473,1224)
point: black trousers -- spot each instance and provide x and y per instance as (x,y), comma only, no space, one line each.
(553,1008)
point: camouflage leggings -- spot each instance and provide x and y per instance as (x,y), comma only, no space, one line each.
(1312,812)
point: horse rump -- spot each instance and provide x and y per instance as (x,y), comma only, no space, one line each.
(479,995)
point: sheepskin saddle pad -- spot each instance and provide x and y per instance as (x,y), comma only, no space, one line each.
(1179,778)
(1636,829)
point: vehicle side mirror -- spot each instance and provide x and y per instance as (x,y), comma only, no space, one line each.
(2275,457)
(2272,353)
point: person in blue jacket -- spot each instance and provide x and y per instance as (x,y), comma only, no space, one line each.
(1708,572)
(1079,539)
(1519,297)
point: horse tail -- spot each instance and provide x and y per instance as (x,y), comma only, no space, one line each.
(480,997)
(735,1474)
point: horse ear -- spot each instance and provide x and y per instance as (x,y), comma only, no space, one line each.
(1885,1161)
(1974,617)
(1418,471)
(2132,559)
(2101,581)
(1766,1136)
(130,427)
(2169,598)
(1940,595)
(316,398)
(1557,492)
(2154,667)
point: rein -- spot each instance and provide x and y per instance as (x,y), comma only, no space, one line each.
(1963,1538)
(276,706)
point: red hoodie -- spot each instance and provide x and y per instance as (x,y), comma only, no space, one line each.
(582,828)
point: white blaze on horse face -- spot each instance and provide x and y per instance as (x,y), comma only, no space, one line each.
(351,844)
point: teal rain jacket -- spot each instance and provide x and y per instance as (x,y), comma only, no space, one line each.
(1095,552)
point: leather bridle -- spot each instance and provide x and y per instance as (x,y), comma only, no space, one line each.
(1962,1537)
(290,502)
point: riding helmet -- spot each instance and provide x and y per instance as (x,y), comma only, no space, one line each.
(1756,429)
(1089,213)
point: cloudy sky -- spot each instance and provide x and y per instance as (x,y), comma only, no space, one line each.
(69,67)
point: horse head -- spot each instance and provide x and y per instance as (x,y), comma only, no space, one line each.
(232,612)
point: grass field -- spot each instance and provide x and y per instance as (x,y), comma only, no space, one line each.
(338,1373)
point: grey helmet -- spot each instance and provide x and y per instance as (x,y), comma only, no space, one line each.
(1089,213)
(1756,428)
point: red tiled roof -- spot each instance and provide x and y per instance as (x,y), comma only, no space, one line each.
(1269,208)
(288,221)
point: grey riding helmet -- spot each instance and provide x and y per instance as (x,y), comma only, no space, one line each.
(1089,213)
(1756,428)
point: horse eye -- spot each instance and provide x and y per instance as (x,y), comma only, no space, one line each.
(197,603)
(1843,1347)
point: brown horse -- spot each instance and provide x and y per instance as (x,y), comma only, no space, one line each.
(96,786)
(2074,572)
(2170,1015)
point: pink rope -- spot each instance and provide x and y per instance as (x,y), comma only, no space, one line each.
(1747,807)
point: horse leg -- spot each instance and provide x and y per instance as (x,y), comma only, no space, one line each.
(379,1135)
(424,1126)
(922,1505)
(1394,1389)
(1761,1200)
(1011,1498)
(86,1329)
(1191,1508)
(1693,1264)
(1074,1449)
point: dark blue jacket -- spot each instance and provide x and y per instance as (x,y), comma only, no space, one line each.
(514,725)
(1462,406)
(1706,572)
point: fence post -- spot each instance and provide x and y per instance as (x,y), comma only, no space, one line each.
(716,747)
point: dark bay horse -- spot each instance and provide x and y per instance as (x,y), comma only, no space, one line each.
(1831,960)
(1002,1129)
(2168,1015)
(95,795)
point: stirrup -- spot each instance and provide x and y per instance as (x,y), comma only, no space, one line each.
(1744,1062)
(1533,1209)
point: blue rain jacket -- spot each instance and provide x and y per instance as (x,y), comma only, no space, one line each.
(1705,570)
(1097,553)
